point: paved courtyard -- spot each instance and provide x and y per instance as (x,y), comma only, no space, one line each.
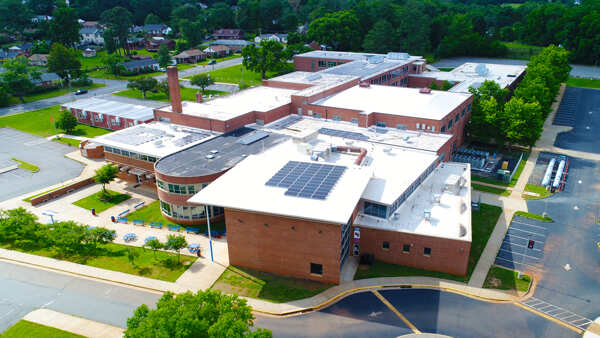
(49,156)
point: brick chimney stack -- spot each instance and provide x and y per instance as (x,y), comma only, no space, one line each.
(199,97)
(173,78)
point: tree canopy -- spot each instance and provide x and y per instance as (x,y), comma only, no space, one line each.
(268,56)
(143,84)
(66,121)
(106,174)
(64,62)
(64,27)
(202,80)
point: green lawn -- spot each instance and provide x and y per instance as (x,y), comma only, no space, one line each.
(27,166)
(187,94)
(68,141)
(542,191)
(28,199)
(483,223)
(115,257)
(151,213)
(96,202)
(234,74)
(52,93)
(445,69)
(102,74)
(24,328)
(491,190)
(517,50)
(267,286)
(38,123)
(584,83)
(533,216)
(512,182)
(504,279)
(229,57)
(93,62)
(513,5)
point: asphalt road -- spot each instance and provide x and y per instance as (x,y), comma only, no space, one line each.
(582,110)
(430,311)
(23,289)
(577,70)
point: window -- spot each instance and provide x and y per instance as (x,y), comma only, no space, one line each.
(456,119)
(376,210)
(462,113)
(160,184)
(191,189)
(418,125)
(469,107)
(336,118)
(317,115)
(322,64)
(385,245)
(117,151)
(316,269)
(354,120)
(299,111)
(443,130)
(380,124)
(330,64)
(427,251)
(165,207)
(450,125)
(432,128)
(406,248)
(401,126)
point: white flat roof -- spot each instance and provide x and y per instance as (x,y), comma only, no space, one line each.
(225,108)
(156,139)
(450,218)
(474,74)
(115,108)
(243,188)
(320,81)
(399,101)
(296,126)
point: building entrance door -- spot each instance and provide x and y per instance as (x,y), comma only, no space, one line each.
(139,178)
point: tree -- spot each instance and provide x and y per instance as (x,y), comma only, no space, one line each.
(99,235)
(193,31)
(525,122)
(112,64)
(17,77)
(202,80)
(220,15)
(152,19)
(41,7)
(118,19)
(14,16)
(339,30)
(413,35)
(248,15)
(4,96)
(106,174)
(66,121)
(154,244)
(143,84)
(378,40)
(64,27)
(163,87)
(110,41)
(164,58)
(64,62)
(176,243)
(68,237)
(268,56)
(446,85)
(16,224)
(434,86)
(203,314)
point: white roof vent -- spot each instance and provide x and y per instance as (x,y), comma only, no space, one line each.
(427,214)
(481,69)
(214,151)
(210,157)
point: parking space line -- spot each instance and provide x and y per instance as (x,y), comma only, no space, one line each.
(519,245)
(511,235)
(557,321)
(510,261)
(516,253)
(394,310)
(530,232)
(535,226)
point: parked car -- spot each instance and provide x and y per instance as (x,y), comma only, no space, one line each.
(81,92)
(212,62)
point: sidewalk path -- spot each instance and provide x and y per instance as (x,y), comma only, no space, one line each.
(77,325)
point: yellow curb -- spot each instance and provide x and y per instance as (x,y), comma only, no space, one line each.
(393,308)
(550,318)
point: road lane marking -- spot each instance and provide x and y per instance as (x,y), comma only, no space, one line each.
(394,310)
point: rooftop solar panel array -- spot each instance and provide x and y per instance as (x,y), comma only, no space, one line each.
(188,139)
(344,134)
(137,135)
(307,180)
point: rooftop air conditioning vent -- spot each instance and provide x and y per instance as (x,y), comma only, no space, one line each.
(364,84)
(214,151)
(210,157)
(425,90)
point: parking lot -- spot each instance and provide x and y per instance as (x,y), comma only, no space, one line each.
(580,109)
(523,245)
(49,156)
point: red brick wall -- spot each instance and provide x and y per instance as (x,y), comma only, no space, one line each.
(447,255)
(304,64)
(268,243)
(185,120)
(62,191)
(422,82)
(97,152)
(145,165)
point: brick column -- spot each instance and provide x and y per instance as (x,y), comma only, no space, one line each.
(173,79)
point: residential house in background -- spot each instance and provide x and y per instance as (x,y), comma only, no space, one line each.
(217,51)
(153,44)
(39,60)
(235,46)
(89,23)
(136,43)
(47,79)
(152,30)
(88,53)
(228,34)
(281,38)
(41,18)
(92,35)
(139,65)
(190,56)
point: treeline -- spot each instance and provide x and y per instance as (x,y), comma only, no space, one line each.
(519,120)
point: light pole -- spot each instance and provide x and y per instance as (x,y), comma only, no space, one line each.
(209,235)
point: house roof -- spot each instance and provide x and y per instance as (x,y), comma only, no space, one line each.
(189,53)
(216,48)
(89,30)
(139,63)
(40,57)
(150,27)
(226,31)
(230,43)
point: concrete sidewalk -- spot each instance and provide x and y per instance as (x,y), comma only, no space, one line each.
(77,325)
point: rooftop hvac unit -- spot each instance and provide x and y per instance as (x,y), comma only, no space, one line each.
(481,69)
(210,157)
(427,214)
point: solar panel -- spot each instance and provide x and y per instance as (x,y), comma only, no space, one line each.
(307,180)
(345,134)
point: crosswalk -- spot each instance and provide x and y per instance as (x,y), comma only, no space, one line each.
(557,312)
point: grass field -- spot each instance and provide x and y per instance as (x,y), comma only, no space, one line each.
(263,285)
(95,201)
(187,94)
(228,57)
(483,223)
(491,190)
(445,69)
(37,122)
(533,216)
(27,166)
(542,191)
(68,141)
(52,93)
(512,182)
(151,213)
(517,50)
(24,328)
(504,279)
(234,74)
(115,257)
(583,83)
